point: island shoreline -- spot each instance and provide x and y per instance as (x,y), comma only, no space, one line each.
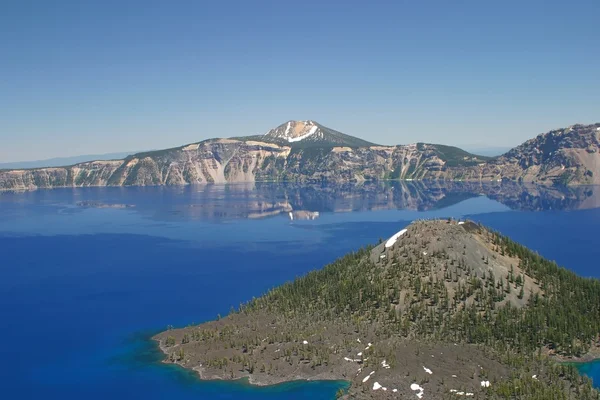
(247,379)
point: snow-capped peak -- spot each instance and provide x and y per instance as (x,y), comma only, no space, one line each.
(295,131)
(304,134)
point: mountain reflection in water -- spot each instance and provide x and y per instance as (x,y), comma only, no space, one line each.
(307,201)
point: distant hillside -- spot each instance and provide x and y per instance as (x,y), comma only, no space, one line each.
(453,156)
(441,310)
(63,161)
(487,151)
(306,151)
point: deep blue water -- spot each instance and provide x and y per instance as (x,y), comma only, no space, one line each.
(83,288)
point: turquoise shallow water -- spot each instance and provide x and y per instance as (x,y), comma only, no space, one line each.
(591,369)
(84,288)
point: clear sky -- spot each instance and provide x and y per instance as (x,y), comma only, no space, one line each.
(80,77)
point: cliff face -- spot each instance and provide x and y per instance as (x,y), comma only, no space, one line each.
(227,160)
(568,156)
(212,161)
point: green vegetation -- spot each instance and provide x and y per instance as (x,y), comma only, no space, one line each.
(454,156)
(560,311)
(309,155)
(170,342)
(565,318)
(564,178)
(559,377)
(487,307)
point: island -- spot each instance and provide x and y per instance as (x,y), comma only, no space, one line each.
(443,309)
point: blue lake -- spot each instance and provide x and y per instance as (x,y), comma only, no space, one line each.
(88,275)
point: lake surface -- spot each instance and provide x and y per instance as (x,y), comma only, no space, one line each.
(88,275)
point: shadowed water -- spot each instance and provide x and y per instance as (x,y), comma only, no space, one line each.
(90,274)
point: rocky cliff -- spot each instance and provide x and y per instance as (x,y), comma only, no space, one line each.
(308,152)
(565,156)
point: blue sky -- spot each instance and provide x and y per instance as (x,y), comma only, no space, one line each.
(81,77)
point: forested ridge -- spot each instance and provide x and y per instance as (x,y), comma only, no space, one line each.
(565,316)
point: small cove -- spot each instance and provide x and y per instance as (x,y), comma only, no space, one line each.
(591,369)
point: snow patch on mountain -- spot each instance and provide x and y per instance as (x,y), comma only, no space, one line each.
(287,129)
(311,132)
(296,131)
(308,133)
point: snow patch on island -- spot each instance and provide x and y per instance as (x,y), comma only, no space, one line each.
(366,378)
(456,392)
(416,388)
(391,241)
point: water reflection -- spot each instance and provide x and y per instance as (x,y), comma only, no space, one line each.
(305,201)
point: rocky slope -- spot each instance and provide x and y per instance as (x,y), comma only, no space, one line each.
(566,156)
(439,310)
(308,152)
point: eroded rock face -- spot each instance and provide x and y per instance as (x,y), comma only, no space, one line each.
(220,161)
(212,161)
(567,156)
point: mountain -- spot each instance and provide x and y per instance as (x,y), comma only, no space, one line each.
(311,134)
(306,151)
(62,161)
(439,310)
